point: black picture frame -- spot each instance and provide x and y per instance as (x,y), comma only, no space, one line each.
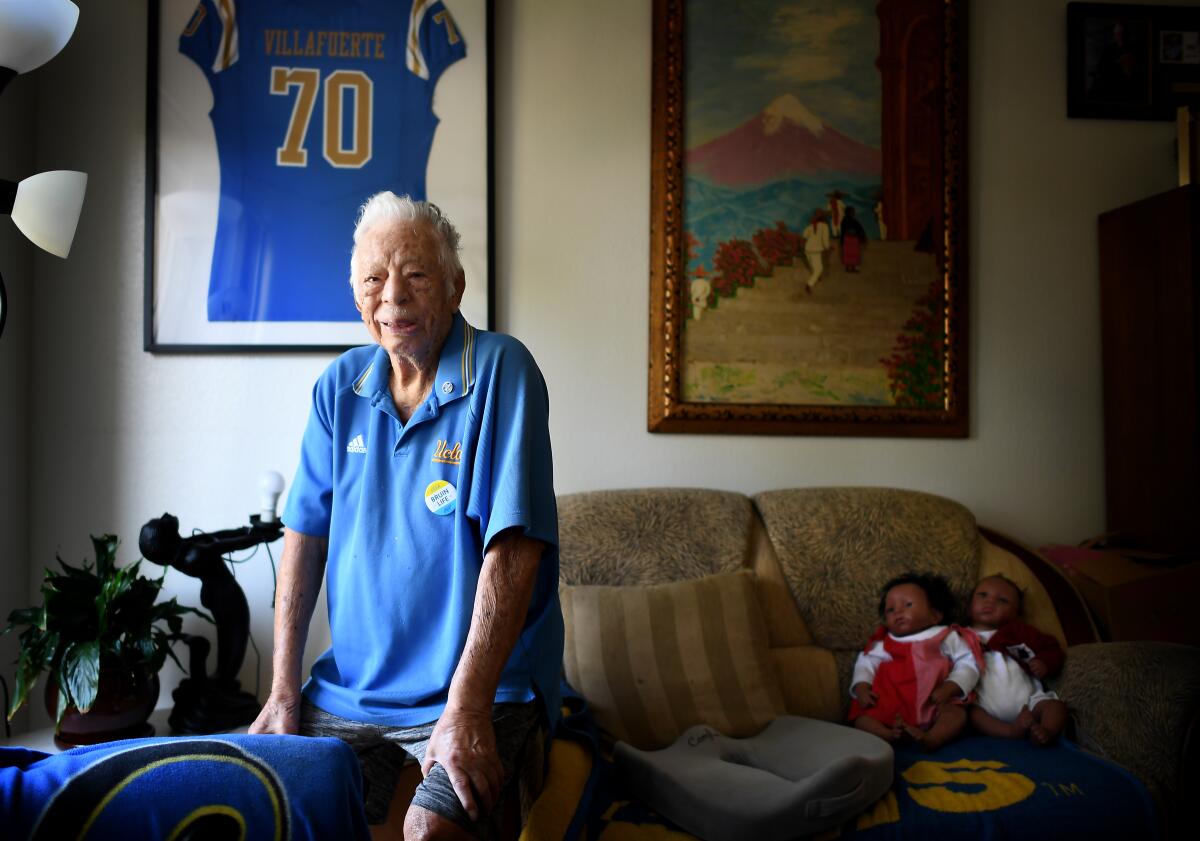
(1131,62)
(479,305)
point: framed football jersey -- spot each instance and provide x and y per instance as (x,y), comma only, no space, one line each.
(269,123)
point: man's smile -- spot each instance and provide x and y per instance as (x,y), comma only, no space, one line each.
(398,325)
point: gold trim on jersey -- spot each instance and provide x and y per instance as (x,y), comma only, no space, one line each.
(227,55)
(198,17)
(414,58)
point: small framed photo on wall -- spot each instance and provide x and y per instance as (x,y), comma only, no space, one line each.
(1133,62)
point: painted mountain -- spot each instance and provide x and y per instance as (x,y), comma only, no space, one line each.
(778,166)
(785,141)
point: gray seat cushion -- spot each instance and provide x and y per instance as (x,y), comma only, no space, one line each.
(796,777)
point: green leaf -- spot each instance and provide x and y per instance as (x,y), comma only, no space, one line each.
(171,653)
(48,643)
(26,616)
(25,679)
(81,671)
(70,570)
(64,701)
(157,654)
(106,553)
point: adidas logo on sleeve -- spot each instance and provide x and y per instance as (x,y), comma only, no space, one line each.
(356,445)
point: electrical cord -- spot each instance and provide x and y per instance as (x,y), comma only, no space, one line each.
(7,726)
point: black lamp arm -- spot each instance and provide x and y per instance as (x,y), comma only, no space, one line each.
(8,195)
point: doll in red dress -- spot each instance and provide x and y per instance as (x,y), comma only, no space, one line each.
(915,675)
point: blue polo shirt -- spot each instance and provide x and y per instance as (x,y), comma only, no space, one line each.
(409,509)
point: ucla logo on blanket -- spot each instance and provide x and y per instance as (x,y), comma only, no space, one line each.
(967,785)
(229,794)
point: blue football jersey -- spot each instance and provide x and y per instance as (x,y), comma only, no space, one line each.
(316,105)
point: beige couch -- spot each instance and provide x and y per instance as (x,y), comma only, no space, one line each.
(819,557)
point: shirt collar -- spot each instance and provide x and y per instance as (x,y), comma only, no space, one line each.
(456,368)
(455,373)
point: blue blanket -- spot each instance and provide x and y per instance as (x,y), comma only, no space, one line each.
(983,788)
(256,787)
(975,788)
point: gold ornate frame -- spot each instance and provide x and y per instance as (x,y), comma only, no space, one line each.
(667,411)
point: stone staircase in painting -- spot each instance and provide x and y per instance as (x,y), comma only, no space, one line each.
(850,319)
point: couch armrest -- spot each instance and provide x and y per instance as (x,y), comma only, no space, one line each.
(1138,704)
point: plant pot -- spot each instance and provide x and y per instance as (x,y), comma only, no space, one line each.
(123,705)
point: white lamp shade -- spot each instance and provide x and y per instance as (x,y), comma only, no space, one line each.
(46,208)
(33,31)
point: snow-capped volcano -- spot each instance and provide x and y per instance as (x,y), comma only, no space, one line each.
(786,140)
(789,109)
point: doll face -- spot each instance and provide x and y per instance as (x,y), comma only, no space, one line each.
(994,603)
(906,610)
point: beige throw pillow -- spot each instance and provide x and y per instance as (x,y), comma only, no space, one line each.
(655,660)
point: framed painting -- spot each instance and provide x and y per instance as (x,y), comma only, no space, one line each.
(808,218)
(1133,62)
(269,123)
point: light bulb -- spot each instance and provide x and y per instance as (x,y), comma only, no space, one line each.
(270,486)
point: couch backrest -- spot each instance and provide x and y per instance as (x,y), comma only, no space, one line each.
(838,546)
(821,556)
(652,535)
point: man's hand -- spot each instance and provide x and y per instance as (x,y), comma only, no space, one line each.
(1037,668)
(865,695)
(281,714)
(464,743)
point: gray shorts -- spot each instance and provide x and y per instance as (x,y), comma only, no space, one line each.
(383,751)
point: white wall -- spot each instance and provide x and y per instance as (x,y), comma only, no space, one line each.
(120,436)
(573,184)
(16,264)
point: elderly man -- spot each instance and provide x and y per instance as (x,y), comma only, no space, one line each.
(425,492)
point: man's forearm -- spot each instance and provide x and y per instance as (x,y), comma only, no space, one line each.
(301,568)
(501,603)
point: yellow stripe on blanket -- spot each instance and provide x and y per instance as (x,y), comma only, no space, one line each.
(569,768)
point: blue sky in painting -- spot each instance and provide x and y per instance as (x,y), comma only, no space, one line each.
(742,55)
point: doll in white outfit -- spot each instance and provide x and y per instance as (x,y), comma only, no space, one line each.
(1011,701)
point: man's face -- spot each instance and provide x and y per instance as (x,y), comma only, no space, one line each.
(406,301)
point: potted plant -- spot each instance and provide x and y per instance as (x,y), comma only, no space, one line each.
(103,637)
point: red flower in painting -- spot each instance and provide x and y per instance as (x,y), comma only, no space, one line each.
(738,264)
(778,246)
(915,367)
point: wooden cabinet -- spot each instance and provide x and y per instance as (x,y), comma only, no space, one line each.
(1149,314)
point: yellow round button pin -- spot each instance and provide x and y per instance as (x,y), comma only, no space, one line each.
(440,497)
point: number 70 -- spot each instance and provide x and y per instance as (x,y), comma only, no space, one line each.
(337,83)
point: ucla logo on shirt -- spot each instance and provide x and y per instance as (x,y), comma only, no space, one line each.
(356,445)
(440,497)
(445,454)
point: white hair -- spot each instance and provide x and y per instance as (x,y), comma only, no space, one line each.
(386,206)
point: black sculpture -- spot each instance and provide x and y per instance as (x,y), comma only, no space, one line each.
(211,702)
